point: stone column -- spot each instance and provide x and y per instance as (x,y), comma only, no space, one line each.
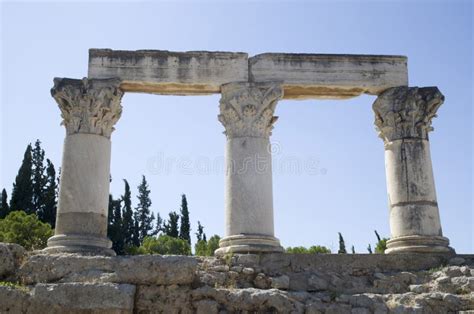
(403,119)
(246,111)
(89,109)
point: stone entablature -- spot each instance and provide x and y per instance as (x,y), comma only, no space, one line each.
(303,76)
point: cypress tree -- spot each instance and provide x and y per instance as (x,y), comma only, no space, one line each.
(127,216)
(4,208)
(378,236)
(110,217)
(342,245)
(116,235)
(48,212)
(171,226)
(144,216)
(200,235)
(38,179)
(185,227)
(22,194)
(158,225)
(369,249)
(353,250)
(136,230)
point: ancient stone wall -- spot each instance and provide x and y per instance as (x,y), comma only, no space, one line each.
(275,283)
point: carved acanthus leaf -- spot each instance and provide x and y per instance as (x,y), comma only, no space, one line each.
(406,112)
(246,109)
(88,105)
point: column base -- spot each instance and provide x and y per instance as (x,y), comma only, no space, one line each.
(249,243)
(79,243)
(419,244)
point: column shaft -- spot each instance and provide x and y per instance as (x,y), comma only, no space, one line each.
(247,114)
(89,109)
(403,119)
(249,196)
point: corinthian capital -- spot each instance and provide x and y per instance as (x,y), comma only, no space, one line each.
(406,112)
(246,109)
(88,106)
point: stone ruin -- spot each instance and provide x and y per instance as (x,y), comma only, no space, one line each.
(237,283)
(250,89)
(79,273)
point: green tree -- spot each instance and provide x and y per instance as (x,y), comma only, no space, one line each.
(164,245)
(353,250)
(170,227)
(200,235)
(315,249)
(185,227)
(115,231)
(381,244)
(342,245)
(136,230)
(4,208)
(128,223)
(145,216)
(213,245)
(110,217)
(207,248)
(22,194)
(318,249)
(369,249)
(49,208)
(297,250)
(200,248)
(25,230)
(38,179)
(158,224)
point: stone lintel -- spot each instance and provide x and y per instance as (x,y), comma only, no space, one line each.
(331,76)
(202,72)
(167,72)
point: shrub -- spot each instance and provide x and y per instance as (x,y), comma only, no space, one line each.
(315,249)
(164,245)
(207,248)
(381,246)
(213,245)
(200,248)
(318,249)
(25,230)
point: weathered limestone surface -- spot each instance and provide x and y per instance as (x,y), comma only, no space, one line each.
(89,109)
(166,72)
(11,257)
(403,118)
(68,298)
(271,283)
(158,270)
(329,75)
(246,112)
(202,72)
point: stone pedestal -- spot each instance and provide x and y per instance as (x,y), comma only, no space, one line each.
(89,109)
(403,118)
(247,115)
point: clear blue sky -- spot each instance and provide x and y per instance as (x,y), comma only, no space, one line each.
(42,40)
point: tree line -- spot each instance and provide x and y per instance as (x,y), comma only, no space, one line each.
(137,230)
(380,247)
(30,215)
(35,188)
